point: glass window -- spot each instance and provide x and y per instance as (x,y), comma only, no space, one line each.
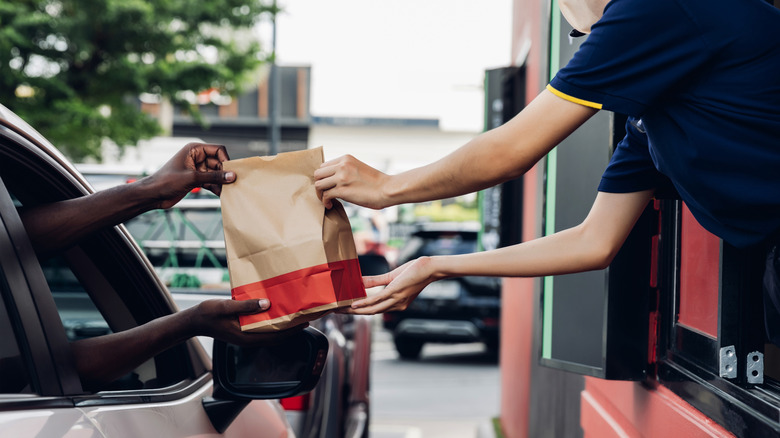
(14,378)
(711,332)
(102,284)
(185,244)
(98,288)
(80,317)
(89,306)
(699,269)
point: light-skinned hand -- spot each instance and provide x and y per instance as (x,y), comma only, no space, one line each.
(352,180)
(403,284)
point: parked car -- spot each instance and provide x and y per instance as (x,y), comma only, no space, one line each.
(370,231)
(105,284)
(186,246)
(456,310)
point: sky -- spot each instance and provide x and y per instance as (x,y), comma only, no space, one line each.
(396,58)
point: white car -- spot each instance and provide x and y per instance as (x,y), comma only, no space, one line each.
(103,284)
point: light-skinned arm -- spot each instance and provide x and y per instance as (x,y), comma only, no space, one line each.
(588,246)
(491,158)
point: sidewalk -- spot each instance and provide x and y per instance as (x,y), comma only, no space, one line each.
(428,398)
(432,429)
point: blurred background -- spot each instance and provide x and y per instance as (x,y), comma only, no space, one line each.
(120,86)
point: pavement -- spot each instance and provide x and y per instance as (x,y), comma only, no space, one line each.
(433,429)
(390,426)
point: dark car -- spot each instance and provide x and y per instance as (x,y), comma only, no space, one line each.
(186,246)
(465,309)
(105,284)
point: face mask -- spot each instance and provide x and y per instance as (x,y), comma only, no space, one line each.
(582,14)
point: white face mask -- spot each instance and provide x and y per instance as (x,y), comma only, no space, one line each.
(582,14)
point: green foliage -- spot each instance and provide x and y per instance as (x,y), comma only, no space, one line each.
(448,210)
(74,68)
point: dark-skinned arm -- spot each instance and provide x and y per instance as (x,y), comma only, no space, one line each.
(103,359)
(56,226)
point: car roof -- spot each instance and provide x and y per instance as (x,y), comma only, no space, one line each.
(110,169)
(15,123)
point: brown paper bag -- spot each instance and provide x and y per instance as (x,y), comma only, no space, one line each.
(282,244)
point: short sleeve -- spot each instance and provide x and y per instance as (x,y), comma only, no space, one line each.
(637,52)
(631,168)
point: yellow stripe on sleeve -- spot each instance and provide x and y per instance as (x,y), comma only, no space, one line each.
(573,99)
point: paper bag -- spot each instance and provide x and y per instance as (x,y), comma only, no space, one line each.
(282,244)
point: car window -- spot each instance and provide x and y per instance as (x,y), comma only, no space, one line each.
(101,285)
(13,370)
(80,317)
(185,244)
(79,313)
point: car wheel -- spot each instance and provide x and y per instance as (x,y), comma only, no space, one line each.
(408,348)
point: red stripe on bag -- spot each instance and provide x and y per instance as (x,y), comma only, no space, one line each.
(303,289)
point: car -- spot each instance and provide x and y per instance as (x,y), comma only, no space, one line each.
(457,310)
(186,246)
(103,284)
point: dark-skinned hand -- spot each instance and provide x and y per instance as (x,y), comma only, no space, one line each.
(195,165)
(218,318)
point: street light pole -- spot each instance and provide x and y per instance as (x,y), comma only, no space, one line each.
(274,95)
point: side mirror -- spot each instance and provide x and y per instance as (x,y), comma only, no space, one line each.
(287,369)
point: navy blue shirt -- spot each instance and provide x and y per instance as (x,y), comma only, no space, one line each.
(704,78)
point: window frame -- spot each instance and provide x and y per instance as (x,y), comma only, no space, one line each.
(42,330)
(689,362)
(36,316)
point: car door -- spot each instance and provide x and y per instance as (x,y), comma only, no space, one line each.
(34,372)
(103,284)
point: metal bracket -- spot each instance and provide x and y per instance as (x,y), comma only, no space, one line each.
(755,367)
(728,363)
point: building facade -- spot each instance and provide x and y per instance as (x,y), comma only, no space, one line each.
(667,341)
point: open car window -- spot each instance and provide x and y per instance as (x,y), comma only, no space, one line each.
(103,284)
(13,366)
(185,244)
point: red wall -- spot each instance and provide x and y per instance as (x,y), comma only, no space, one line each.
(699,277)
(628,409)
(608,408)
(518,293)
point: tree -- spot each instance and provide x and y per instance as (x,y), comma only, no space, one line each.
(74,69)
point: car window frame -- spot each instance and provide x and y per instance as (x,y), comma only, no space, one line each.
(52,371)
(45,334)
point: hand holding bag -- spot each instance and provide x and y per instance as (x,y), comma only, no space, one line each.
(283,245)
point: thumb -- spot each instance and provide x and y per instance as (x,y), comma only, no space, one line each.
(214,177)
(246,307)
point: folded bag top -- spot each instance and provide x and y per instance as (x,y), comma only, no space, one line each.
(282,244)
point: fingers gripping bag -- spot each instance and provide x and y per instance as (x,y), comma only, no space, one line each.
(283,245)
